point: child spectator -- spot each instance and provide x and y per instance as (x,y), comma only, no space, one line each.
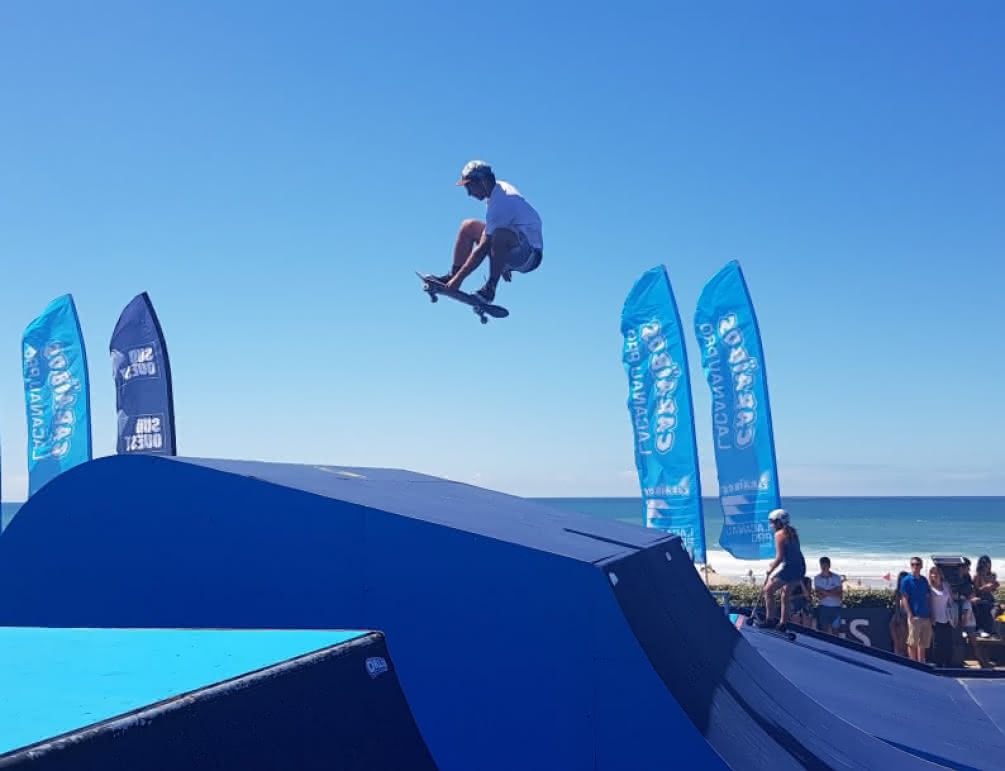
(802,613)
(898,620)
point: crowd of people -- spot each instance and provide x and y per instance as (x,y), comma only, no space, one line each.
(925,610)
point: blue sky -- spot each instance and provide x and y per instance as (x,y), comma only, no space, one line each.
(273,173)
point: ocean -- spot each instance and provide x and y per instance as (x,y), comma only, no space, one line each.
(865,538)
(7,512)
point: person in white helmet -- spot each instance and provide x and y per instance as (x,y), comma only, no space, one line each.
(786,571)
(510,234)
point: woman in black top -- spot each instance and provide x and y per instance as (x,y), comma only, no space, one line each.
(985,584)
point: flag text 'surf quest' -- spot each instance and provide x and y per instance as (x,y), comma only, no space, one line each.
(143,398)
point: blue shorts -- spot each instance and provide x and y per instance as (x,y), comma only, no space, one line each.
(790,573)
(828,615)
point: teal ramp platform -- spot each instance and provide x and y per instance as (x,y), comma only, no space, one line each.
(524,637)
(202,699)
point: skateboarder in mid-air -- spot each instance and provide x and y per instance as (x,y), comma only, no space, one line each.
(510,235)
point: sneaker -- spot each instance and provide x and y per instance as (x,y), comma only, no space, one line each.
(445,278)
(486,294)
(768,623)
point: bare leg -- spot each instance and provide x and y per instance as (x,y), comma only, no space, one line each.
(503,242)
(785,604)
(469,234)
(913,651)
(769,598)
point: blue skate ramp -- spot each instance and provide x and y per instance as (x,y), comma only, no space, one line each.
(202,699)
(955,721)
(523,636)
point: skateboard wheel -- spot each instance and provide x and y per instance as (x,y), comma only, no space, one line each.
(433,298)
(485,319)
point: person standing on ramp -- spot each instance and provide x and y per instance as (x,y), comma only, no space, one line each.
(510,234)
(790,564)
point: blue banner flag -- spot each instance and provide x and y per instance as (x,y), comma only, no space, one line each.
(57,396)
(733,360)
(659,402)
(143,399)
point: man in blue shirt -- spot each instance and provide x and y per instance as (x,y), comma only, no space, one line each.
(914,591)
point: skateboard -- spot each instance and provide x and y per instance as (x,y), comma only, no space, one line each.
(434,288)
(775,631)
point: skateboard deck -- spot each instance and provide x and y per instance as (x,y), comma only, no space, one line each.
(434,288)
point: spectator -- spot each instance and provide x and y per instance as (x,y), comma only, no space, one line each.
(829,591)
(802,612)
(965,596)
(942,626)
(915,592)
(985,585)
(791,567)
(898,621)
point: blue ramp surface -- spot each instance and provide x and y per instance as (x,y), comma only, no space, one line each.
(524,637)
(202,699)
(953,721)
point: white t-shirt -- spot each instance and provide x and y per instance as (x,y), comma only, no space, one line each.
(833,581)
(939,598)
(508,209)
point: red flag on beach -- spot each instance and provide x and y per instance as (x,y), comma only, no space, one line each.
(887,578)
